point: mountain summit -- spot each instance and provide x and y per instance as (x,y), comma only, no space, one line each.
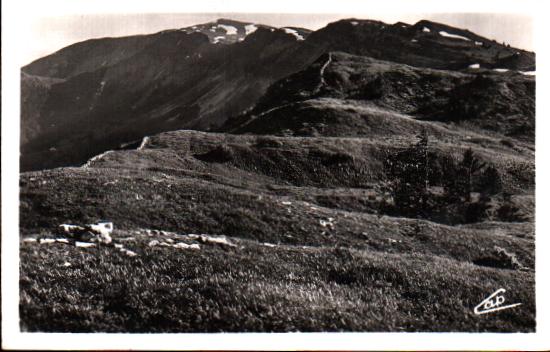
(102,93)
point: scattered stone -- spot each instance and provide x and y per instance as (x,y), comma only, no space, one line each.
(329,223)
(126,239)
(98,232)
(84,244)
(212,239)
(29,239)
(129,252)
(47,240)
(271,245)
(67,264)
(182,245)
(153,243)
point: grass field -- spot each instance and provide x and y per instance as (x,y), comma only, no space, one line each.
(301,255)
(260,287)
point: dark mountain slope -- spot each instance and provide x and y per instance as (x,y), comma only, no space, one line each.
(347,95)
(88,56)
(426,44)
(180,81)
(34,94)
(119,90)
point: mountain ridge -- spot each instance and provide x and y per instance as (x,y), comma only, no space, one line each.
(180,79)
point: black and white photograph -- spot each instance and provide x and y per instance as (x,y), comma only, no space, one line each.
(228,172)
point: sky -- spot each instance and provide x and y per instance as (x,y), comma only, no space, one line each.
(47,34)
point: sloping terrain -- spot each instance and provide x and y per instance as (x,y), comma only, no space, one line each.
(369,96)
(309,233)
(199,77)
(350,185)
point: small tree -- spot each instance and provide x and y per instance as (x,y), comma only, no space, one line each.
(490,181)
(470,175)
(460,186)
(408,171)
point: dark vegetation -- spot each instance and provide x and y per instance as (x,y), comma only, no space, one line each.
(466,186)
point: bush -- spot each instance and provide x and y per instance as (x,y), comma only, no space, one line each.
(408,171)
(510,212)
(414,170)
(220,154)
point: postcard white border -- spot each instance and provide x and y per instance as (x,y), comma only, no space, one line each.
(17,13)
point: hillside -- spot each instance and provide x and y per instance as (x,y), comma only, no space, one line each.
(362,177)
(187,78)
(278,200)
(369,96)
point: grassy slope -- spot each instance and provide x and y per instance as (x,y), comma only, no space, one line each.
(366,272)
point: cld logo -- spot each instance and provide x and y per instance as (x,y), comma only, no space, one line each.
(493,303)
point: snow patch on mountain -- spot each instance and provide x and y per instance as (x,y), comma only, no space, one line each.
(455,36)
(217,39)
(229,30)
(250,28)
(293,32)
(426,29)
(476,66)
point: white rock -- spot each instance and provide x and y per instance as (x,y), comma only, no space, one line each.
(475,66)
(216,240)
(129,252)
(426,29)
(181,245)
(103,227)
(84,244)
(47,240)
